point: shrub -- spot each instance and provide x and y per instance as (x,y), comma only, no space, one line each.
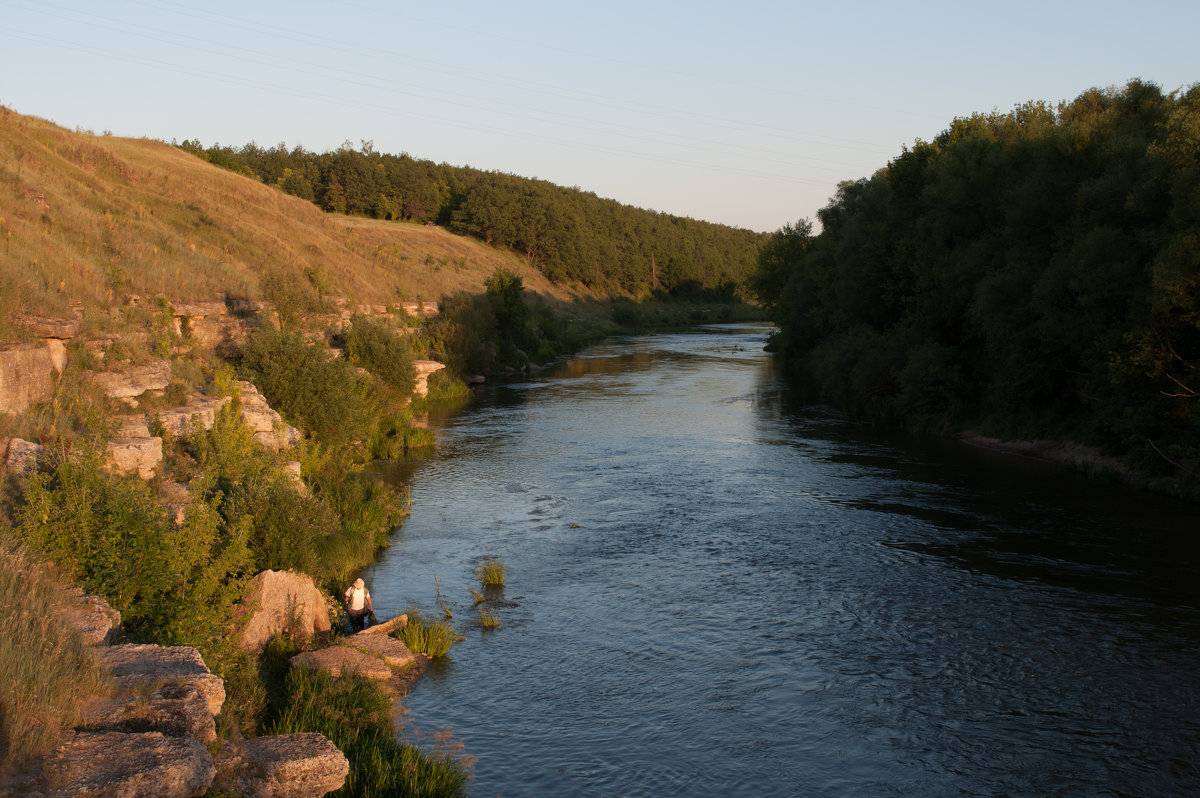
(318,394)
(113,538)
(375,346)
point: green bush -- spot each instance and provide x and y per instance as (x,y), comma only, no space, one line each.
(376,347)
(111,536)
(316,393)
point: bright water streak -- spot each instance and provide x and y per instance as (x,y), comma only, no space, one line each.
(711,591)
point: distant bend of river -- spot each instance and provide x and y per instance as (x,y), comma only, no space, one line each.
(712,590)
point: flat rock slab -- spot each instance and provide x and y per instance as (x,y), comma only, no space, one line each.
(176,710)
(394,653)
(305,765)
(341,660)
(118,765)
(146,667)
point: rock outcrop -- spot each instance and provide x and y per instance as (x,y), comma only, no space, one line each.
(135,455)
(176,710)
(26,376)
(373,654)
(265,423)
(132,382)
(150,738)
(387,648)
(282,602)
(423,369)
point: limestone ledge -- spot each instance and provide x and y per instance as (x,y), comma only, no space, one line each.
(151,737)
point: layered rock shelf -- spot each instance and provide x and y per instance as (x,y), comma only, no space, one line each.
(151,737)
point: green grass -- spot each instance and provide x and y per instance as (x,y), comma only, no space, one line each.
(46,669)
(490,573)
(356,715)
(424,635)
(488,619)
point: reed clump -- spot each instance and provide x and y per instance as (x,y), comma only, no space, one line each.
(490,573)
(428,636)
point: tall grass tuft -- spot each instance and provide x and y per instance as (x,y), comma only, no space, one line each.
(424,635)
(356,715)
(488,619)
(45,670)
(490,573)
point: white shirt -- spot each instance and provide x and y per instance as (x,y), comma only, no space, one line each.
(357,597)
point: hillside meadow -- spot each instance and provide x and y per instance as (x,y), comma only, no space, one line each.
(85,220)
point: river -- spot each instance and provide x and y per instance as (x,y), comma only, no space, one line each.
(713,589)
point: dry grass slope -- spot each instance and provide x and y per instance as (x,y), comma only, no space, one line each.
(86,220)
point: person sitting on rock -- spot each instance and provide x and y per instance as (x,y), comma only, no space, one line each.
(358,604)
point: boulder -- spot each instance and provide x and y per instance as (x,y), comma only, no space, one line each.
(120,765)
(282,602)
(176,710)
(20,456)
(305,765)
(340,660)
(134,380)
(26,376)
(140,666)
(134,455)
(387,648)
(98,624)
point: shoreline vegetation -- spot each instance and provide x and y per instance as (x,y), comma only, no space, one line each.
(1031,275)
(242,303)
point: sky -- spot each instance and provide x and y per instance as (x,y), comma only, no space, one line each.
(747,115)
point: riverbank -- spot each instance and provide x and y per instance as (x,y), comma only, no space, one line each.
(1060,452)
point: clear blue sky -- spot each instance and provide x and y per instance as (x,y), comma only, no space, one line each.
(746,114)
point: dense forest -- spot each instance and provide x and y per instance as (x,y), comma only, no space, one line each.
(568,234)
(1029,274)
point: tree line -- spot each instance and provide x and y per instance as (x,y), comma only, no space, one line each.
(569,234)
(1029,274)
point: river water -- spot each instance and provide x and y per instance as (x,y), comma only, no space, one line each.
(714,590)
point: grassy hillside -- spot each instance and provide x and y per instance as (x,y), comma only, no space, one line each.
(86,220)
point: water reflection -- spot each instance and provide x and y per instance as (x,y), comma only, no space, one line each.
(722,592)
